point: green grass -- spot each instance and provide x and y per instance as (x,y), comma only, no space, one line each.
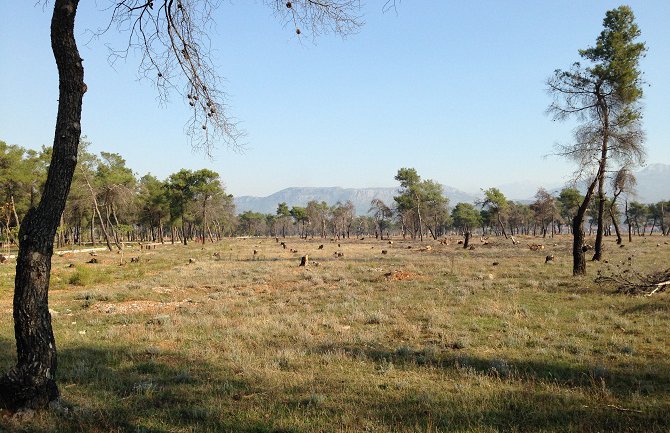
(255,344)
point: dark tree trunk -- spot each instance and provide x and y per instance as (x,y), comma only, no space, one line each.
(466,242)
(630,228)
(31,384)
(616,227)
(598,247)
(578,253)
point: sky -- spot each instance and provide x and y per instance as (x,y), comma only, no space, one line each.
(455,89)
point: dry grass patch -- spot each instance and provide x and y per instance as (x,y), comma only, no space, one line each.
(249,342)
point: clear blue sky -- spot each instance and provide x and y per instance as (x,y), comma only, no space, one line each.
(452,88)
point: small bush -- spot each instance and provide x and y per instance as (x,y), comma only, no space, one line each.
(82,277)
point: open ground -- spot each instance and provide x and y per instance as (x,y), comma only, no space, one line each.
(425,338)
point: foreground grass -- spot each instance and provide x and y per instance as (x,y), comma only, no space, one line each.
(451,343)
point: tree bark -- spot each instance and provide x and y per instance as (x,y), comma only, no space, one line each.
(616,225)
(598,247)
(578,253)
(31,383)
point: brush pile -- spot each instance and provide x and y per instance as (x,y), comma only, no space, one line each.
(631,282)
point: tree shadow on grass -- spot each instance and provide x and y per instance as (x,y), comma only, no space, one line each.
(115,388)
(660,305)
(532,395)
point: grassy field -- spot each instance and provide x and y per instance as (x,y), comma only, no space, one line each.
(416,340)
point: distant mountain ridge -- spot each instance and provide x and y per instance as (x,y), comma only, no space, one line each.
(653,185)
(360,197)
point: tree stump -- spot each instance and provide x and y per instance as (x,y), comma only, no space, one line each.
(304,260)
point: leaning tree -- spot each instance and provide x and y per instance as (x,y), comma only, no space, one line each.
(605,96)
(172,37)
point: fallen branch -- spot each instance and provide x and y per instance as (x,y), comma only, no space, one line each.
(631,282)
(623,409)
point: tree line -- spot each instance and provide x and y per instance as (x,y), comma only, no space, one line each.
(421,210)
(108,204)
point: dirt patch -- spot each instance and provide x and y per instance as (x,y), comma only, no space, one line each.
(140,307)
(399,275)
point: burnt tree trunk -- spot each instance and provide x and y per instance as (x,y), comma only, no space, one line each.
(31,383)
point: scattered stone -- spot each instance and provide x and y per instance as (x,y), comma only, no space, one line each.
(191,260)
(390,242)
(496,263)
(321,246)
(71,265)
(549,259)
(134,260)
(385,252)
(93,260)
(472,247)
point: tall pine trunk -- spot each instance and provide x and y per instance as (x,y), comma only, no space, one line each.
(31,383)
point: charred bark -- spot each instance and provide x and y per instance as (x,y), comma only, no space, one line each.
(31,383)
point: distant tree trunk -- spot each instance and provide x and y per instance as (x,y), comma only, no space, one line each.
(466,242)
(31,383)
(93,228)
(662,220)
(183,230)
(97,210)
(616,225)
(630,228)
(502,226)
(16,216)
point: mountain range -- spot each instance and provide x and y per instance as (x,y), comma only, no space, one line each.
(653,185)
